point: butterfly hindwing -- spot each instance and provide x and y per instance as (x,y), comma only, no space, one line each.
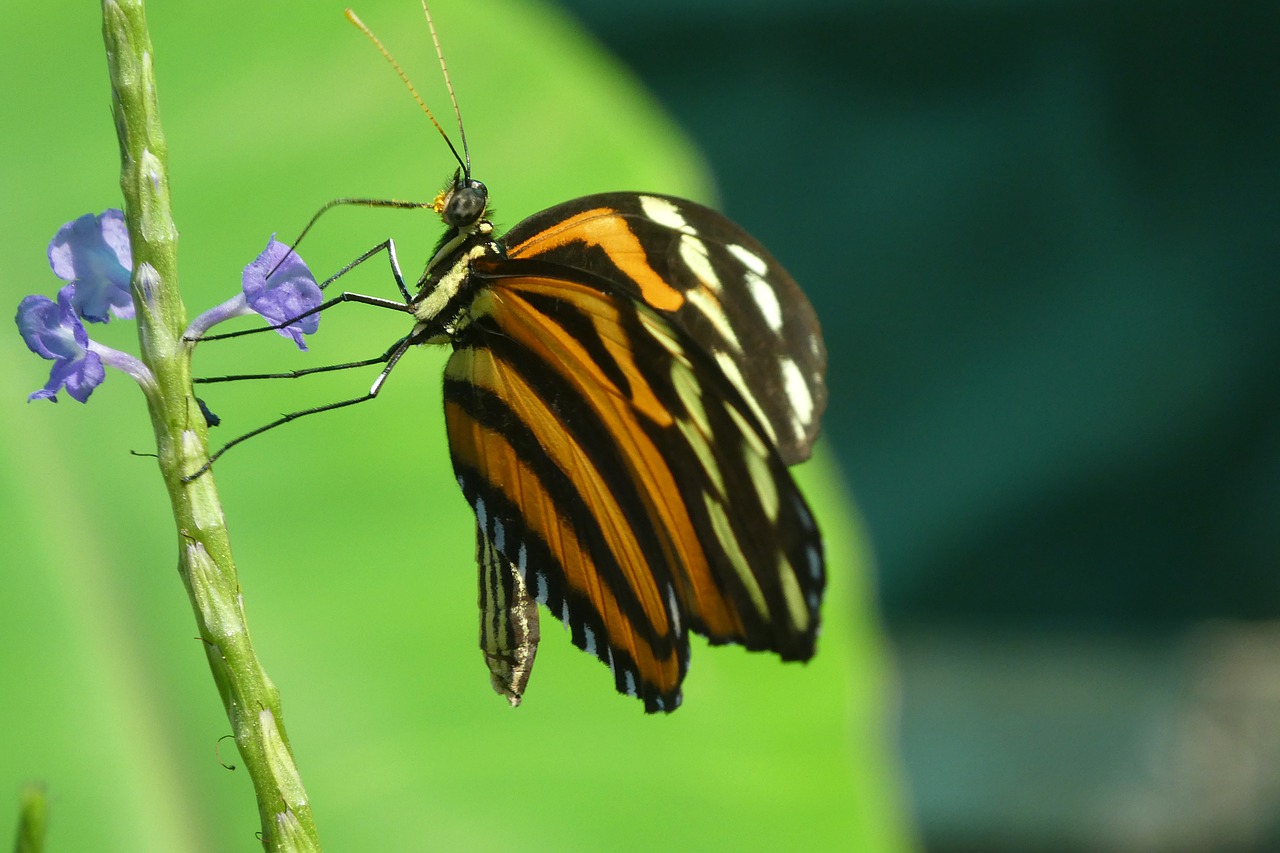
(530,461)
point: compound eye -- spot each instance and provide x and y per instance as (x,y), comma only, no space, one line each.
(465,204)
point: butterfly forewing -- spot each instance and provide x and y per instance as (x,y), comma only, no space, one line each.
(714,281)
(625,477)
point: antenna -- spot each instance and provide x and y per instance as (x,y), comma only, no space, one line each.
(386,54)
(444,69)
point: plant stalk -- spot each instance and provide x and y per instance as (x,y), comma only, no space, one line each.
(205,563)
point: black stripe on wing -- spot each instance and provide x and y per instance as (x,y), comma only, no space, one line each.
(630,476)
(544,530)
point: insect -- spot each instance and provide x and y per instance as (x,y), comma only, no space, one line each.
(632,374)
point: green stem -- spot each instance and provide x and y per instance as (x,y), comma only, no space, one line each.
(204,551)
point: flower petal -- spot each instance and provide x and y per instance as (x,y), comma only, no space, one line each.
(79,377)
(37,316)
(93,254)
(52,330)
(279,286)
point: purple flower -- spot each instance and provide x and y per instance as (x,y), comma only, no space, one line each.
(92,254)
(53,331)
(278,285)
(277,294)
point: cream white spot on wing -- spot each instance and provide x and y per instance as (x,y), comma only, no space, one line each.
(661,334)
(798,394)
(762,479)
(705,457)
(695,256)
(748,258)
(690,394)
(733,551)
(664,212)
(748,434)
(675,610)
(706,302)
(766,301)
(590,636)
(730,369)
(630,679)
(791,593)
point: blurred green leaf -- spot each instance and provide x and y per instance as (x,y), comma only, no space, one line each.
(33,819)
(355,548)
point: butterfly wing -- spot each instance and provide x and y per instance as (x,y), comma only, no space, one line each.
(712,280)
(629,483)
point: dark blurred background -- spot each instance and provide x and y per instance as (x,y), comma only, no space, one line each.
(1042,237)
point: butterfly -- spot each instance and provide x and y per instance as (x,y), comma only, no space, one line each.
(631,376)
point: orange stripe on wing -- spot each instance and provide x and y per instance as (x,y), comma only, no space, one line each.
(650,467)
(607,229)
(490,452)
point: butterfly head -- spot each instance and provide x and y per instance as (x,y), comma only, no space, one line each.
(463,203)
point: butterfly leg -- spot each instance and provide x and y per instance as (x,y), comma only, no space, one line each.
(391,357)
(346,296)
(294,374)
(389,246)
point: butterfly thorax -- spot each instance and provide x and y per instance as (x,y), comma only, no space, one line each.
(446,286)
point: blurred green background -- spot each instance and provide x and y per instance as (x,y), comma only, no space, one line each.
(1042,237)
(355,549)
